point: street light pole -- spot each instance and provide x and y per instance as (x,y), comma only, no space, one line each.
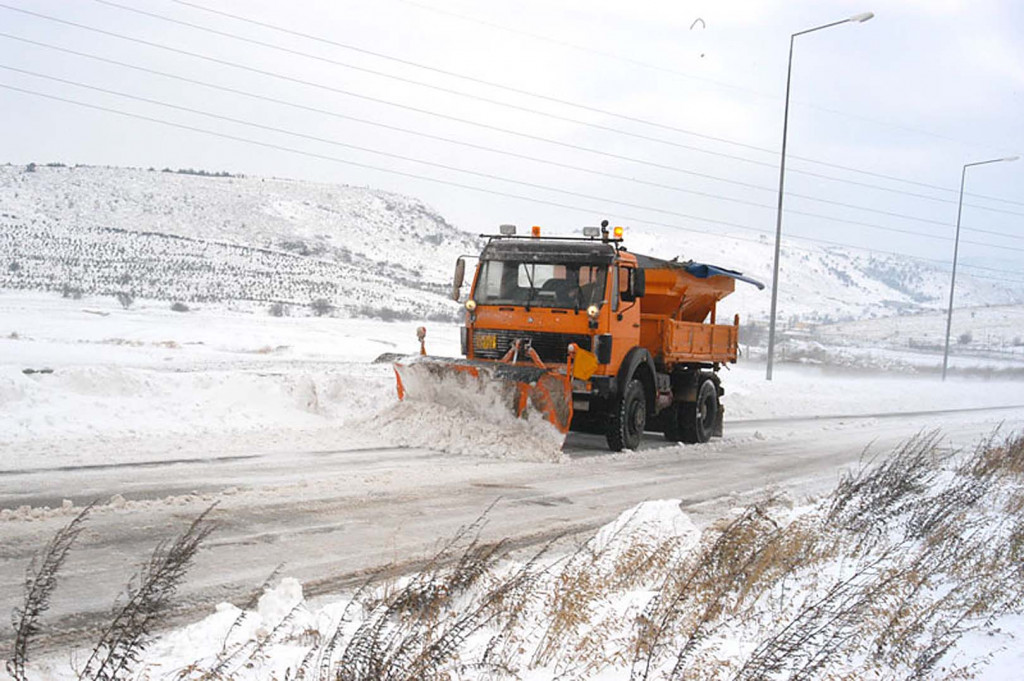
(857,19)
(956,252)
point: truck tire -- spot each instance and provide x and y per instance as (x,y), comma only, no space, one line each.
(627,419)
(697,420)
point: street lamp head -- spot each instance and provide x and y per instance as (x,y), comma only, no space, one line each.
(861,18)
(1010,158)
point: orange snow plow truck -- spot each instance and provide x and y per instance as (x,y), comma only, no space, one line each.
(582,333)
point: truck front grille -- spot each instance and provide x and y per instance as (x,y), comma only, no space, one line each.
(552,347)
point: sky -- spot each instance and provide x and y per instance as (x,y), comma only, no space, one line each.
(665,117)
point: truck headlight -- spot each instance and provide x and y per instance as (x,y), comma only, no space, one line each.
(470,304)
(592,311)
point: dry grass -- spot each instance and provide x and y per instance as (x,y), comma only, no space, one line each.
(122,642)
(125,638)
(40,582)
(867,498)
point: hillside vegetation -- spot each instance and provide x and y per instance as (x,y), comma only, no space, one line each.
(186,236)
(194,235)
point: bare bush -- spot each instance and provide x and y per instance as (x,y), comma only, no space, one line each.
(867,498)
(40,581)
(125,299)
(72,292)
(321,307)
(414,631)
(129,632)
(279,310)
(179,307)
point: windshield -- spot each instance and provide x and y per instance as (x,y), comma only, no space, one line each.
(540,284)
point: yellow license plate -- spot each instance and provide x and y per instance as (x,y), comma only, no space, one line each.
(485,341)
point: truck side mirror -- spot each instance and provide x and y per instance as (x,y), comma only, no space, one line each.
(639,283)
(460,275)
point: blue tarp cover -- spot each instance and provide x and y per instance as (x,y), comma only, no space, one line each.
(703,271)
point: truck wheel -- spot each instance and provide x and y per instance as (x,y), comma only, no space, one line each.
(627,420)
(697,419)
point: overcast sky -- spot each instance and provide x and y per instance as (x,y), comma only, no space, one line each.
(915,93)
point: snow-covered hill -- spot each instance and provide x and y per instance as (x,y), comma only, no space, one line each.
(194,237)
(176,236)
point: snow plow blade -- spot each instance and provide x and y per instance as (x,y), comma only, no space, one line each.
(480,387)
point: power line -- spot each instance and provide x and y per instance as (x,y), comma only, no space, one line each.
(453,74)
(458,119)
(591,50)
(279,147)
(439,88)
(427,178)
(514,154)
(459,93)
(676,72)
(529,93)
(440,137)
(488,176)
(377,100)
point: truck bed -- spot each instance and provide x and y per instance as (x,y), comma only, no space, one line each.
(673,342)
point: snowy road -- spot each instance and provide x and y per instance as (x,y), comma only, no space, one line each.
(334,516)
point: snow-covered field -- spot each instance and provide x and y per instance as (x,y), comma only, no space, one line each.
(146,385)
(989,337)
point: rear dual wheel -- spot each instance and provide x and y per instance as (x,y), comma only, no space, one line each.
(693,422)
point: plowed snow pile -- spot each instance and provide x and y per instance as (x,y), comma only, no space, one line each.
(456,431)
(461,417)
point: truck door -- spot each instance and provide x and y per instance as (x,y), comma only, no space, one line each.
(625,318)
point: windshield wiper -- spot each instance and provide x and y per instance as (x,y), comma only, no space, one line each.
(529,296)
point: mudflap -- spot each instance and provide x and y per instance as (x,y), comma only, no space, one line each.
(480,386)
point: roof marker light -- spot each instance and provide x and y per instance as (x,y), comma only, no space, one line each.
(507,230)
(618,232)
(536,231)
(592,231)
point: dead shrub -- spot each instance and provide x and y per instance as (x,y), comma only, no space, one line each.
(867,498)
(40,581)
(124,639)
